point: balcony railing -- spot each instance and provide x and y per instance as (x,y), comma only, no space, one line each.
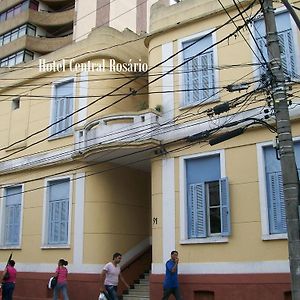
(118,129)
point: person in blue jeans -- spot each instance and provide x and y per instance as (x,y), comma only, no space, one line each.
(8,283)
(61,273)
(171,278)
(110,278)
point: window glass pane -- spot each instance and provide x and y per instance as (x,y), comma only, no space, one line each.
(12,60)
(14,34)
(4,62)
(213,199)
(25,5)
(10,13)
(22,30)
(28,56)
(31,30)
(19,57)
(33,5)
(6,38)
(17,10)
(2,17)
(213,193)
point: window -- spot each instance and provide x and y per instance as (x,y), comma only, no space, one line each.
(62,108)
(286,40)
(15,103)
(207,202)
(274,190)
(16,33)
(12,203)
(16,58)
(58,200)
(17,9)
(199,75)
(174,1)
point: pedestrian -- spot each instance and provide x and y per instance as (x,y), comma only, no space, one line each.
(110,277)
(61,273)
(9,280)
(171,277)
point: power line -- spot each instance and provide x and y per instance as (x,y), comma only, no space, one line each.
(112,159)
(159,132)
(119,100)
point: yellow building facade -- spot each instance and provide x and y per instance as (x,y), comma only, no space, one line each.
(114,143)
(71,185)
(218,201)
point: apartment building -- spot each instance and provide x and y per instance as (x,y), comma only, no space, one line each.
(32,28)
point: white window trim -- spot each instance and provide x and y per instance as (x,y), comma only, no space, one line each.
(53,89)
(180,61)
(295,38)
(183,200)
(264,215)
(45,244)
(2,246)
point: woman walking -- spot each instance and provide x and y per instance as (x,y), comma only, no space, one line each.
(61,273)
(9,280)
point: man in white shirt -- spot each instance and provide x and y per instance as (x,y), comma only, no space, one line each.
(110,277)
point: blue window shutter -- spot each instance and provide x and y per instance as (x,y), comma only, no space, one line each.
(196,211)
(287,52)
(63,107)
(225,206)
(276,207)
(58,211)
(199,78)
(12,215)
(207,75)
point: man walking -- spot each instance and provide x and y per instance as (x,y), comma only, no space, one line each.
(110,277)
(171,278)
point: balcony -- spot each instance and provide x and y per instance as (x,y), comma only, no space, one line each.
(53,19)
(40,45)
(45,45)
(118,136)
(57,4)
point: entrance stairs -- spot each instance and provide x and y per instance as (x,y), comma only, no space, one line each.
(139,290)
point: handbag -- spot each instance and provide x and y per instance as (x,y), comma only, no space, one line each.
(52,282)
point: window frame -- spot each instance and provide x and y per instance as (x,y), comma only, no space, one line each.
(184,239)
(2,217)
(52,132)
(263,198)
(294,29)
(189,38)
(45,244)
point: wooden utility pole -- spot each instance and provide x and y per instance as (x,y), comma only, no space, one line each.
(286,147)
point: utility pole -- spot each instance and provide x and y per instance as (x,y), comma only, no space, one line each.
(286,147)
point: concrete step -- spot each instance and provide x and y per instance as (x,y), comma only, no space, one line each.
(132,297)
(140,290)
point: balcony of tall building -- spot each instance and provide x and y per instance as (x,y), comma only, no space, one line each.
(39,27)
